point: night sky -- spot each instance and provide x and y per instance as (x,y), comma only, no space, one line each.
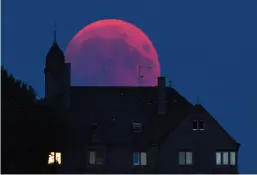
(205,47)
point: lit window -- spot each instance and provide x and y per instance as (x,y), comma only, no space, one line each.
(185,158)
(137,127)
(96,157)
(139,158)
(54,157)
(232,158)
(195,125)
(218,158)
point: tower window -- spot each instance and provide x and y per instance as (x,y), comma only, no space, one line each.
(137,127)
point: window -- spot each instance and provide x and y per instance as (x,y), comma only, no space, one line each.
(218,158)
(195,125)
(139,158)
(232,158)
(54,157)
(96,157)
(185,158)
(198,125)
(225,158)
(201,125)
(137,127)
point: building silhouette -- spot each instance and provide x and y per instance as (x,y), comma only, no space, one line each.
(133,129)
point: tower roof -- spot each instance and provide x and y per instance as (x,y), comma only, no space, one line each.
(55,55)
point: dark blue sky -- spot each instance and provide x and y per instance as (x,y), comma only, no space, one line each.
(205,47)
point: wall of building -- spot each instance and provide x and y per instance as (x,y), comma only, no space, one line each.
(203,145)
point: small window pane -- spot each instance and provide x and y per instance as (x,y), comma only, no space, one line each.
(225,158)
(143,159)
(91,157)
(136,158)
(232,158)
(218,158)
(182,156)
(201,125)
(189,158)
(195,125)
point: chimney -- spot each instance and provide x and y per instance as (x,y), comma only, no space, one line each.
(161,96)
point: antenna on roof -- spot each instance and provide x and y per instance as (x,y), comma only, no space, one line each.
(139,70)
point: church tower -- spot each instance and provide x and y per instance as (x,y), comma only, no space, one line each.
(57,77)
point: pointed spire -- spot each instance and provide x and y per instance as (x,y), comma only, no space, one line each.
(198,102)
(54,32)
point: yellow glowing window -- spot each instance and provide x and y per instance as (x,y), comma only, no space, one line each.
(54,157)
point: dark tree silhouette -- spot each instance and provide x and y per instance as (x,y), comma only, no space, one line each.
(29,128)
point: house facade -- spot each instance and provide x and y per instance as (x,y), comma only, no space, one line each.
(134,129)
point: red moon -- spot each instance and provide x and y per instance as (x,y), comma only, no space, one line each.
(112,52)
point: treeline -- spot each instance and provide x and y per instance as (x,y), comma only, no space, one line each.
(30,129)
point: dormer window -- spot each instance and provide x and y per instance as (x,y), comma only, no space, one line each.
(198,125)
(137,127)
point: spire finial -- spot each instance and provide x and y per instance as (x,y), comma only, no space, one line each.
(54,32)
(198,100)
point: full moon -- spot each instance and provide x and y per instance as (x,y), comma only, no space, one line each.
(112,52)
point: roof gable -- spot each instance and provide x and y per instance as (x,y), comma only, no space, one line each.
(199,110)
